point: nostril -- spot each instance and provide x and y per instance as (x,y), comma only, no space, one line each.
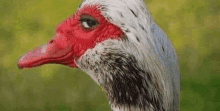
(51,41)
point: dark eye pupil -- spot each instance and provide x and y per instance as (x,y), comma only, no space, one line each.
(88,22)
(91,23)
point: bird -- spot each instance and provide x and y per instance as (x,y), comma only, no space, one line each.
(118,44)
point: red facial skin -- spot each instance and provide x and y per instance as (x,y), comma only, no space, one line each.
(72,40)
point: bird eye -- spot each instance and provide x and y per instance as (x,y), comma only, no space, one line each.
(88,22)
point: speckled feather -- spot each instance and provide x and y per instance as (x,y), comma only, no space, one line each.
(140,73)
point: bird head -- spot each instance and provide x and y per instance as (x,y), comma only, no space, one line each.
(117,43)
(73,37)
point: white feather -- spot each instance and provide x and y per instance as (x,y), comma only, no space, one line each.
(154,51)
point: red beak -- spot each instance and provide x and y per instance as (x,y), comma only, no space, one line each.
(58,50)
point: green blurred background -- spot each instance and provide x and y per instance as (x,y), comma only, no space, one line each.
(193,26)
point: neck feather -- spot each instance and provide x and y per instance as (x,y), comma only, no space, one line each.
(128,86)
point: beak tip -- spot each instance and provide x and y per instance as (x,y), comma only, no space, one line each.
(19,64)
(19,67)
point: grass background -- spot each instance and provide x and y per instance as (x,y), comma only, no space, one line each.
(193,26)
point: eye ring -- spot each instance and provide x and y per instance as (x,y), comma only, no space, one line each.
(88,22)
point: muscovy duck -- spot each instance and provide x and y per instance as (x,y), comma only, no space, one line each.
(119,45)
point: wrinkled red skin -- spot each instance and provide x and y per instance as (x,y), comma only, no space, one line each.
(72,40)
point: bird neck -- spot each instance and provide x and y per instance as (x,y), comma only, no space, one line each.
(127,86)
